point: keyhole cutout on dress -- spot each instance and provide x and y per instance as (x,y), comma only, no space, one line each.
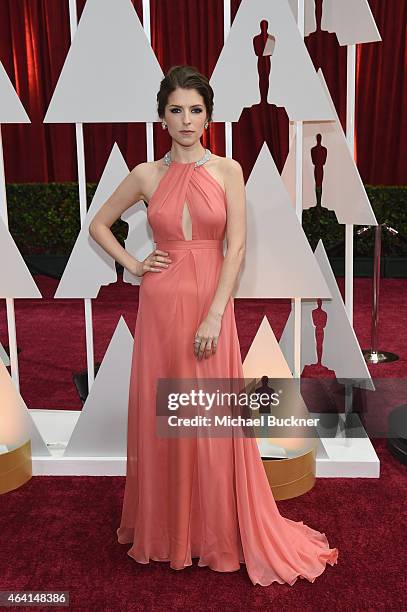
(186,222)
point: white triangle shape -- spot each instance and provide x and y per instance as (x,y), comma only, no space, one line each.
(351,20)
(11,108)
(309,354)
(308,181)
(110,73)
(3,356)
(279,261)
(84,281)
(102,425)
(342,188)
(139,241)
(16,424)
(310,23)
(15,278)
(264,357)
(293,81)
(341,351)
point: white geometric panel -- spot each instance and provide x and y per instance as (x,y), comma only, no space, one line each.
(279,261)
(110,73)
(340,350)
(310,23)
(3,356)
(15,278)
(292,82)
(11,109)
(16,424)
(139,241)
(309,354)
(342,188)
(101,428)
(351,20)
(264,357)
(308,180)
(89,265)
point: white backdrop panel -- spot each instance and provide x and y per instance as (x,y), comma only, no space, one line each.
(102,426)
(279,261)
(293,80)
(342,188)
(11,109)
(79,280)
(340,350)
(309,355)
(16,424)
(351,20)
(15,278)
(3,356)
(288,174)
(139,241)
(110,73)
(264,357)
(310,22)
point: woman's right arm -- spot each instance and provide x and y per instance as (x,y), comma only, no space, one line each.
(128,192)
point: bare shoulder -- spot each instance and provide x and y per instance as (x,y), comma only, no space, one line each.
(232,174)
(225,169)
(232,165)
(227,166)
(147,174)
(144,170)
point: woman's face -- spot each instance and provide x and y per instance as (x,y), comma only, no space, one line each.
(185,115)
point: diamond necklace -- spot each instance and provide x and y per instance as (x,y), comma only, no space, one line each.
(206,156)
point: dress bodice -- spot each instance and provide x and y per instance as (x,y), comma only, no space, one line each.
(185,184)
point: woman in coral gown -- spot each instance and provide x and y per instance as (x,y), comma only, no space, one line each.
(195,497)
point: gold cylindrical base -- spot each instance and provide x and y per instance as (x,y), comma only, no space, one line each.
(291,477)
(15,467)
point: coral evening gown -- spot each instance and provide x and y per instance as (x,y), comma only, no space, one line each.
(199,497)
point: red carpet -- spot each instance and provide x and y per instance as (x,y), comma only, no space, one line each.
(51,332)
(60,533)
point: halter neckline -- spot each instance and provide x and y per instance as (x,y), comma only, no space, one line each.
(168,161)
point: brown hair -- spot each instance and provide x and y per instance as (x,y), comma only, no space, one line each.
(187,77)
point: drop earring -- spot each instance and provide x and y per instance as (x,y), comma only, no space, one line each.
(206,125)
(164,125)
